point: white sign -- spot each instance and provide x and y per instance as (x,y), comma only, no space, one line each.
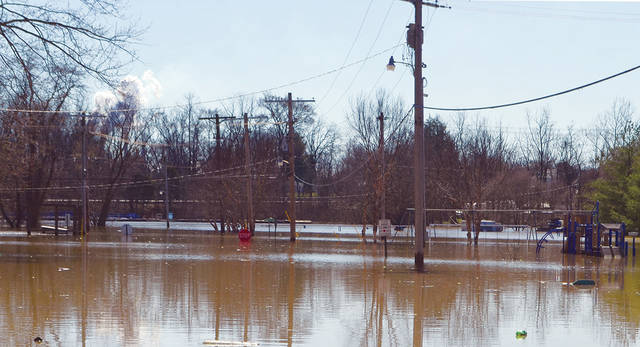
(384,227)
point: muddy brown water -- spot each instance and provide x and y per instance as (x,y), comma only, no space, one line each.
(183,288)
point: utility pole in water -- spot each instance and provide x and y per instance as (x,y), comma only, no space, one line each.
(247,168)
(382,168)
(415,40)
(166,186)
(83,231)
(292,166)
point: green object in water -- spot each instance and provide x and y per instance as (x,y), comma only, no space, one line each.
(584,283)
(521,334)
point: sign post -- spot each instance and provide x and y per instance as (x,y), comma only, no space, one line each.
(384,228)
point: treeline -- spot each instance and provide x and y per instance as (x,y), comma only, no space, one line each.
(133,152)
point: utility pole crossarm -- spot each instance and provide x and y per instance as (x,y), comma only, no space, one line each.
(429,4)
(214,118)
(285,100)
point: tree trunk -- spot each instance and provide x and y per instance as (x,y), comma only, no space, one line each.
(33,202)
(104,210)
(6,216)
(19,211)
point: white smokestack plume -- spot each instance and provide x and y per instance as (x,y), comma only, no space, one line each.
(136,91)
(151,84)
(104,101)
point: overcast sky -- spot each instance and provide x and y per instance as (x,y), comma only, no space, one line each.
(477,53)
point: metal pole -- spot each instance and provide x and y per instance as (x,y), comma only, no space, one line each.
(83,230)
(292,173)
(418,170)
(247,168)
(166,187)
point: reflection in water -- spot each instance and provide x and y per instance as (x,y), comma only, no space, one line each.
(165,289)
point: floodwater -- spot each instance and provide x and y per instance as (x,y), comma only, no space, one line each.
(155,288)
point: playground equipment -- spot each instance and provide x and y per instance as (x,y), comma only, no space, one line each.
(584,234)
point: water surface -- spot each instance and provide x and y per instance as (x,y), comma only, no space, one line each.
(181,288)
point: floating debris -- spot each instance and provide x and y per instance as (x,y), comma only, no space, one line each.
(63,269)
(584,283)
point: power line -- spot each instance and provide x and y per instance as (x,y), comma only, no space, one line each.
(461,109)
(369,52)
(353,44)
(239,96)
(141,182)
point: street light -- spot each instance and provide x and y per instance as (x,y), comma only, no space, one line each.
(391,66)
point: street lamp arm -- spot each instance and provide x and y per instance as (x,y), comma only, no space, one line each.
(391,66)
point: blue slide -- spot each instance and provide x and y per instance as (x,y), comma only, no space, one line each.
(544,237)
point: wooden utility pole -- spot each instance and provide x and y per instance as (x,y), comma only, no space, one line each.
(415,40)
(382,168)
(218,120)
(382,180)
(166,186)
(218,158)
(247,168)
(83,231)
(292,165)
(217,141)
(292,173)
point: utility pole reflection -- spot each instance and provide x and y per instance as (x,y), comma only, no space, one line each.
(417,310)
(84,250)
(290,296)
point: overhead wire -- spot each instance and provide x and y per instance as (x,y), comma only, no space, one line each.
(222,99)
(372,89)
(142,182)
(346,58)
(462,109)
(355,77)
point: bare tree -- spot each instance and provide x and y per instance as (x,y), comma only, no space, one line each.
(539,148)
(321,141)
(89,35)
(121,141)
(616,128)
(484,168)
(570,164)
(37,140)
(363,120)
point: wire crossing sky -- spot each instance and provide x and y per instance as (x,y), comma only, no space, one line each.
(476,53)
